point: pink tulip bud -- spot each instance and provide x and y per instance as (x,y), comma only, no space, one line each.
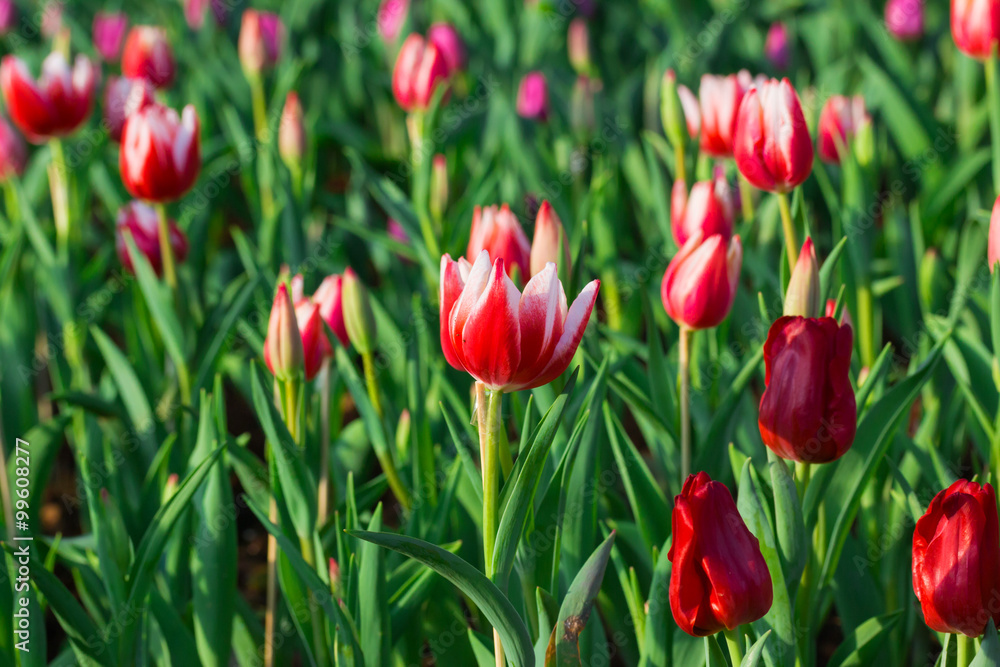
(499,232)
(776,45)
(419,68)
(772,147)
(148,55)
(802,296)
(450,44)
(549,244)
(8,16)
(390,18)
(141,221)
(975,26)
(533,97)
(292,132)
(262,37)
(700,283)
(334,574)
(283,352)
(578,45)
(904,19)
(13,152)
(993,246)
(839,120)
(122,97)
(194,13)
(52,18)
(109,31)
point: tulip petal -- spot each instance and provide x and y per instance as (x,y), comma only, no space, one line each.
(491,337)
(474,286)
(451,287)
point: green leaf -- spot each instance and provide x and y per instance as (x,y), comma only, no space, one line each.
(753,656)
(989,652)
(374,614)
(789,525)
(222,331)
(861,647)
(129,388)
(826,272)
(576,607)
(658,644)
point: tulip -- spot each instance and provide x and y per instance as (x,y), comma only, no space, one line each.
(802,296)
(708,210)
(449,43)
(776,45)
(807,412)
(292,133)
(719,101)
(8,16)
(283,351)
(160,155)
(975,26)
(140,220)
(904,19)
(699,286)
(315,346)
(505,339)
(549,245)
(533,97)
(838,122)
(692,110)
(262,36)
(122,97)
(359,320)
(993,245)
(148,55)
(194,13)
(956,560)
(52,18)
(419,68)
(13,152)
(328,297)
(397,232)
(109,31)
(578,45)
(772,146)
(499,232)
(54,106)
(390,18)
(718,579)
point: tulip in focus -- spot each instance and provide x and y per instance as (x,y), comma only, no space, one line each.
(772,147)
(13,152)
(262,37)
(507,340)
(808,412)
(839,120)
(578,45)
(160,154)
(549,244)
(109,31)
(904,19)
(122,97)
(140,220)
(802,296)
(708,209)
(8,16)
(419,68)
(283,352)
(499,232)
(533,97)
(718,579)
(292,132)
(390,18)
(993,246)
(449,43)
(699,286)
(776,45)
(148,55)
(956,560)
(719,103)
(975,26)
(54,106)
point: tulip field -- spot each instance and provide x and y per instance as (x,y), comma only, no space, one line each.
(499,332)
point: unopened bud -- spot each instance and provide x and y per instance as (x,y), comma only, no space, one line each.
(802,297)
(358,316)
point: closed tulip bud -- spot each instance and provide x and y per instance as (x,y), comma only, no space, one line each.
(449,44)
(148,55)
(904,19)
(719,100)
(578,45)
(54,106)
(334,569)
(993,246)
(420,68)
(549,245)
(329,297)
(773,149)
(13,152)
(505,339)
(122,97)
(283,345)
(956,560)
(499,232)
(699,286)
(975,26)
(672,112)
(839,120)
(292,133)
(262,37)
(438,200)
(160,154)
(141,221)
(194,13)
(390,19)
(719,579)
(359,320)
(807,412)
(776,45)
(315,345)
(533,97)
(708,210)
(802,297)
(933,281)
(109,31)
(8,16)
(864,141)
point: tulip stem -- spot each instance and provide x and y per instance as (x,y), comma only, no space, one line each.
(59,187)
(680,169)
(746,197)
(263,139)
(733,639)
(994,106)
(791,243)
(325,488)
(684,375)
(966,650)
(166,251)
(490,423)
(384,456)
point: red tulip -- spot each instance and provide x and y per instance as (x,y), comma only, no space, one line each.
(262,36)
(122,97)
(13,152)
(773,149)
(328,297)
(283,351)
(390,18)
(719,579)
(956,560)
(57,104)
(700,283)
(838,121)
(708,209)
(499,232)
(109,31)
(148,55)
(141,221)
(692,112)
(505,339)
(449,43)
(993,245)
(905,19)
(292,131)
(549,236)
(719,100)
(160,155)
(533,97)
(975,26)
(420,67)
(776,45)
(315,346)
(807,412)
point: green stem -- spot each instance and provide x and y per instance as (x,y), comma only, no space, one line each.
(385,458)
(263,134)
(318,623)
(680,169)
(791,243)
(372,382)
(746,197)
(489,444)
(166,251)
(59,188)
(324,489)
(684,373)
(994,104)
(966,650)
(733,639)
(866,322)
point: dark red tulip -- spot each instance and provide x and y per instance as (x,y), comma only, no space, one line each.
(148,55)
(57,103)
(807,412)
(956,560)
(719,578)
(140,220)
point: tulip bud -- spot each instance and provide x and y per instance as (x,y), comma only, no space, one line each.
(772,146)
(57,103)
(533,97)
(808,412)
(776,45)
(390,19)
(334,569)
(315,346)
(141,221)
(549,243)
(329,296)
(975,26)
(8,16)
(438,200)
(52,18)
(170,488)
(160,153)
(706,210)
(262,37)
(109,31)
(13,152)
(499,232)
(194,13)
(956,559)
(932,279)
(839,120)
(671,112)
(699,285)
(719,579)
(292,133)
(904,19)
(148,55)
(420,68)
(122,97)
(449,44)
(993,245)
(283,352)
(802,296)
(719,100)
(578,45)
(358,316)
